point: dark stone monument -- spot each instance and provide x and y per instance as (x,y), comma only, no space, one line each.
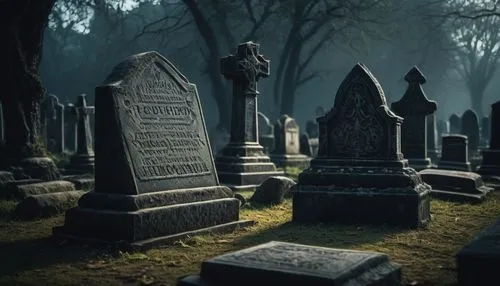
(82,161)
(266,133)
(490,167)
(485,132)
(69,128)
(454,153)
(242,164)
(455,124)
(414,107)
(294,264)
(432,137)
(53,124)
(470,128)
(286,152)
(360,174)
(155,179)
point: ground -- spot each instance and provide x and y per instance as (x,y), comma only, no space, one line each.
(29,257)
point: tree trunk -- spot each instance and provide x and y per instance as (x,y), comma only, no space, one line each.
(22,25)
(289,86)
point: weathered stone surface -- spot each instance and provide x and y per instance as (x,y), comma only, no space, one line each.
(490,167)
(46,205)
(82,182)
(295,264)
(478,262)
(155,176)
(360,174)
(470,128)
(5,177)
(456,185)
(287,147)
(454,154)
(42,168)
(305,146)
(22,189)
(273,190)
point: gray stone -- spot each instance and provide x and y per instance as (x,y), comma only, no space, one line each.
(305,146)
(287,147)
(295,264)
(314,143)
(46,205)
(22,190)
(69,128)
(432,137)
(360,174)
(490,167)
(242,164)
(266,133)
(414,107)
(155,177)
(470,128)
(478,262)
(5,177)
(53,124)
(82,182)
(455,124)
(456,185)
(42,168)
(454,153)
(273,190)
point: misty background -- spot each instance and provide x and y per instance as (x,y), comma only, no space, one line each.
(312,45)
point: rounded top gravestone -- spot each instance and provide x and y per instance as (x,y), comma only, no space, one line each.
(470,128)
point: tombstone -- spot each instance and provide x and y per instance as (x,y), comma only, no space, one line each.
(432,137)
(266,133)
(414,107)
(305,146)
(490,167)
(155,177)
(69,128)
(52,114)
(470,128)
(485,132)
(455,124)
(92,122)
(454,153)
(287,148)
(359,158)
(82,161)
(242,164)
(294,264)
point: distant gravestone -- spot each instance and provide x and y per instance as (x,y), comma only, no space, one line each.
(470,128)
(266,133)
(69,128)
(414,107)
(305,146)
(432,137)
(359,158)
(490,167)
(443,128)
(454,153)
(53,124)
(485,132)
(294,264)
(242,164)
(286,152)
(155,177)
(455,124)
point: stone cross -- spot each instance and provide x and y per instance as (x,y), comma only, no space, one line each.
(81,111)
(245,69)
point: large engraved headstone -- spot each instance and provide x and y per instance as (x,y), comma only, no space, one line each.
(291,264)
(490,167)
(470,128)
(154,174)
(454,153)
(242,164)
(53,123)
(414,107)
(287,148)
(455,124)
(360,174)
(266,132)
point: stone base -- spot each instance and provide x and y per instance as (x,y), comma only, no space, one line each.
(420,164)
(82,182)
(135,219)
(297,161)
(478,262)
(22,190)
(80,164)
(281,263)
(456,166)
(244,165)
(41,168)
(456,185)
(491,163)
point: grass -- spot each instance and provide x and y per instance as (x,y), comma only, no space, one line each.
(29,257)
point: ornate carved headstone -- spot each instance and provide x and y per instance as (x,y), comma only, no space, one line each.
(414,107)
(454,153)
(287,148)
(53,123)
(155,177)
(455,124)
(266,133)
(490,168)
(470,128)
(485,132)
(242,164)
(360,174)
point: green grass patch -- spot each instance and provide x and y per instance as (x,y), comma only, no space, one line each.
(29,257)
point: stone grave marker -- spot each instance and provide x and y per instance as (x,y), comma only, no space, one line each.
(155,179)
(53,123)
(360,174)
(485,132)
(490,167)
(455,124)
(287,148)
(432,137)
(414,107)
(470,128)
(266,132)
(294,264)
(242,164)
(454,153)
(69,128)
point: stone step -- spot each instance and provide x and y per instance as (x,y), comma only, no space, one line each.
(46,205)
(21,191)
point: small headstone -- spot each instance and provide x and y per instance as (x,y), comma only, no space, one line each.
(490,167)
(414,107)
(53,124)
(359,160)
(470,128)
(286,152)
(155,179)
(485,132)
(242,164)
(455,124)
(273,190)
(454,153)
(432,137)
(266,133)
(296,264)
